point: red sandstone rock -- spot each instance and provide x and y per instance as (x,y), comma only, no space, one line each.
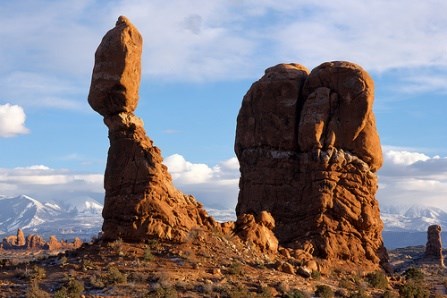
(20,238)
(117,72)
(433,249)
(141,201)
(53,244)
(34,242)
(308,151)
(258,231)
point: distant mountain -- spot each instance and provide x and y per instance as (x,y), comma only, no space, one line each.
(65,218)
(415,218)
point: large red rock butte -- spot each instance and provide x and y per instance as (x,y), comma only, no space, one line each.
(140,201)
(309,150)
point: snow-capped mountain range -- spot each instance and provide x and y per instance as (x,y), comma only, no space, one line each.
(65,219)
(81,217)
(415,218)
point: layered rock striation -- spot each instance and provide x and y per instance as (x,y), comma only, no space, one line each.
(140,201)
(309,150)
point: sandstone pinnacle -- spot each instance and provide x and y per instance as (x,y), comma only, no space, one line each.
(140,201)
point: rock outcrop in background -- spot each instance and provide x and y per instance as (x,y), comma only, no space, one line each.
(433,249)
(309,151)
(36,242)
(140,201)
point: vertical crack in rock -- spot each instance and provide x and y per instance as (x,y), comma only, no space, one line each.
(308,150)
(140,201)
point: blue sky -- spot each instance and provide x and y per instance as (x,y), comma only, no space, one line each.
(199,59)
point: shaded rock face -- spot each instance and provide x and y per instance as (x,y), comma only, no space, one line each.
(309,151)
(140,201)
(433,249)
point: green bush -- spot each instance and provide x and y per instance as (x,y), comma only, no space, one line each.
(163,292)
(35,292)
(377,280)
(324,291)
(73,289)
(114,276)
(389,294)
(235,269)
(414,274)
(148,256)
(296,294)
(414,289)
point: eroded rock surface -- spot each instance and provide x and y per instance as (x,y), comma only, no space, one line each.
(258,231)
(140,201)
(309,151)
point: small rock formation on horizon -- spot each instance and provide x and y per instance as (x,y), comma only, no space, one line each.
(309,150)
(140,201)
(433,249)
(36,242)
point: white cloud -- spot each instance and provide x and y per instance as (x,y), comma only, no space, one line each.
(403,157)
(215,187)
(217,40)
(50,184)
(409,178)
(12,120)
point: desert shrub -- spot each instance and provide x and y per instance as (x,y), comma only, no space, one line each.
(377,280)
(148,256)
(414,274)
(73,289)
(138,276)
(114,276)
(346,284)
(162,292)
(235,269)
(37,273)
(96,281)
(35,292)
(390,294)
(324,291)
(359,294)
(414,289)
(265,292)
(87,265)
(63,261)
(240,292)
(315,275)
(296,294)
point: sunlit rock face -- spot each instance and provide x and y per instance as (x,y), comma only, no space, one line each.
(141,201)
(309,151)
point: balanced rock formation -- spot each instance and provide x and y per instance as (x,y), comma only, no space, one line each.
(309,150)
(433,249)
(140,201)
